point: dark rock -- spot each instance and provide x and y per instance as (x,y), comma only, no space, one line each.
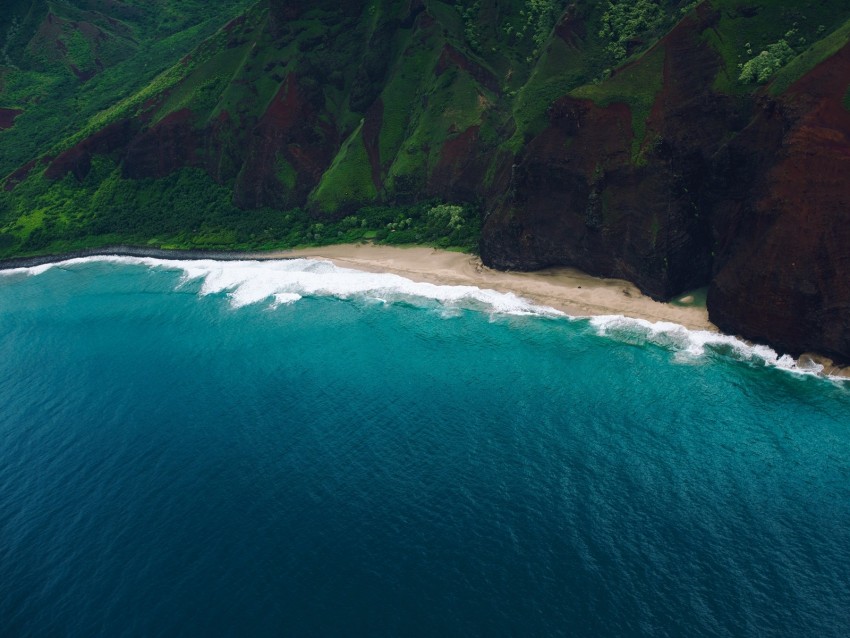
(162,148)
(77,159)
(783,267)
(7,117)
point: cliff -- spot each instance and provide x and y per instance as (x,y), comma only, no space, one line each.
(781,273)
(641,151)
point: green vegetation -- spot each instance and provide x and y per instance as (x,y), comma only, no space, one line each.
(626,21)
(404,83)
(278,106)
(624,36)
(636,85)
(558,71)
(746,28)
(454,102)
(38,76)
(765,64)
(440,225)
(286,174)
(540,16)
(188,210)
(470,25)
(810,58)
(348,182)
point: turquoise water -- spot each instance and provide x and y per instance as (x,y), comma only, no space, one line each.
(293,449)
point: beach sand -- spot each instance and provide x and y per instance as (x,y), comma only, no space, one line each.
(566,289)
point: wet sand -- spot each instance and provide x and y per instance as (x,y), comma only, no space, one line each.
(566,289)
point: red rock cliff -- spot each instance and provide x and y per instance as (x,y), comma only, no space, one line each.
(783,271)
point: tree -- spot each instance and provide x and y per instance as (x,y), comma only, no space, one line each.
(765,64)
(625,21)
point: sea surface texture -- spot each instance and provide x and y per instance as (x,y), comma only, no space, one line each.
(295,449)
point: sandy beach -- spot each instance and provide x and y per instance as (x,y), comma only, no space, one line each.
(565,289)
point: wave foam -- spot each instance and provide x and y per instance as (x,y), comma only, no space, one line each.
(32,270)
(694,344)
(287,281)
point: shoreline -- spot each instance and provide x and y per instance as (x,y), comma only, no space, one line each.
(566,289)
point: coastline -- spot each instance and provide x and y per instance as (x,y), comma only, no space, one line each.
(566,289)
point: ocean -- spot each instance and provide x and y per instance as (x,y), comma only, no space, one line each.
(295,449)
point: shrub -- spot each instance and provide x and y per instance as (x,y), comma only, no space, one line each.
(765,64)
(447,215)
(625,21)
(537,17)
(470,25)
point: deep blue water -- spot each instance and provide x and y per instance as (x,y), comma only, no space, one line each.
(173,465)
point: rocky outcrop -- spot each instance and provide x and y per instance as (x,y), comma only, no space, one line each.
(288,132)
(752,198)
(77,159)
(586,193)
(652,175)
(783,269)
(159,150)
(7,117)
(462,166)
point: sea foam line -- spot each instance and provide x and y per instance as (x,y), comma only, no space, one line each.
(692,345)
(286,281)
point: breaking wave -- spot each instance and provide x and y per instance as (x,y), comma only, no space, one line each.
(690,345)
(287,281)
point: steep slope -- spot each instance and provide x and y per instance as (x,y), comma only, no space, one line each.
(62,61)
(325,105)
(783,267)
(675,144)
(314,105)
(612,184)
(711,183)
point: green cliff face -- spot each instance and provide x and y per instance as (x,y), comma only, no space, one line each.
(328,106)
(676,144)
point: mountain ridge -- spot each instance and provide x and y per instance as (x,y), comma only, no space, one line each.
(641,156)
